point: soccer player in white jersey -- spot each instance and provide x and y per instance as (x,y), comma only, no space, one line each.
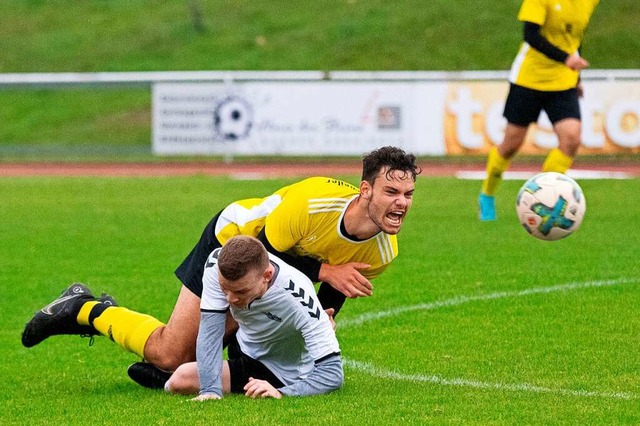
(336,233)
(285,345)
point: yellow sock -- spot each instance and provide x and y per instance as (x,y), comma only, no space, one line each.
(85,310)
(496,165)
(129,329)
(557,161)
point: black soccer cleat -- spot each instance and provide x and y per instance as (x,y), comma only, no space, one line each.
(59,316)
(107,300)
(148,375)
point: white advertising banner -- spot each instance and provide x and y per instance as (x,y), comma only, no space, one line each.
(353,117)
(296,118)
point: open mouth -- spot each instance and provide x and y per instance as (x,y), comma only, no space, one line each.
(395,218)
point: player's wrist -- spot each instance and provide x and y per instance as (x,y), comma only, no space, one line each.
(324,272)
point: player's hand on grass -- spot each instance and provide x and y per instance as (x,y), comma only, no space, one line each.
(260,389)
(576,62)
(347,279)
(205,397)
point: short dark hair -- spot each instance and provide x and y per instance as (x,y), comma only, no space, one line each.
(240,255)
(391,157)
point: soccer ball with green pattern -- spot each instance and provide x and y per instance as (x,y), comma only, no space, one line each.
(550,206)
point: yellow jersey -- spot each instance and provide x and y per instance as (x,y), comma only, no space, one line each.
(304,219)
(562,23)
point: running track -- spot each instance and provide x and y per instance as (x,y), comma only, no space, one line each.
(266,170)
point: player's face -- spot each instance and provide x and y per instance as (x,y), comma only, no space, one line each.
(390,198)
(242,292)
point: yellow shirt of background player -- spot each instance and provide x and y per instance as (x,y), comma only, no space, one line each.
(562,23)
(304,219)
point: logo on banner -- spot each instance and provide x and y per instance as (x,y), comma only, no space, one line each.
(389,117)
(232,118)
(473,120)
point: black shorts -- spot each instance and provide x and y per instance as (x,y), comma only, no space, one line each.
(523,105)
(242,366)
(191,269)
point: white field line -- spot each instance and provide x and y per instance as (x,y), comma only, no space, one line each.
(460,300)
(512,387)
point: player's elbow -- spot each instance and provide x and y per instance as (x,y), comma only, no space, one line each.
(336,379)
(339,380)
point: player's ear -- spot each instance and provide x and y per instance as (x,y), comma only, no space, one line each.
(268,273)
(365,190)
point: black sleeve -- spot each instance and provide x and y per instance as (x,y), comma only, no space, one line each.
(536,40)
(307,265)
(329,297)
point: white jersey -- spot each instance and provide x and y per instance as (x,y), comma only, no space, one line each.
(286,329)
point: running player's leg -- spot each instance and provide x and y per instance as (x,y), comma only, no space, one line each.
(497,163)
(563,109)
(521,108)
(514,135)
(560,159)
(569,135)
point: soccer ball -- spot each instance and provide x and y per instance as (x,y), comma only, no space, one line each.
(550,206)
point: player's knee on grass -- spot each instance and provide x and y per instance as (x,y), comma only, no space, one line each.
(184,380)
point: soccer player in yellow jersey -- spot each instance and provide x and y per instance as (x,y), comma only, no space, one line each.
(544,76)
(337,234)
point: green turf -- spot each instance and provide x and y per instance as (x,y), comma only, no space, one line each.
(128,35)
(135,35)
(479,348)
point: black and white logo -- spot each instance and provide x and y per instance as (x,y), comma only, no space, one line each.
(306,301)
(232,118)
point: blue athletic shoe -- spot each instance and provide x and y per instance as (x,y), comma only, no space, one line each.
(487,204)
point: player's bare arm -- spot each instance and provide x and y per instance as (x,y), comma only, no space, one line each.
(347,279)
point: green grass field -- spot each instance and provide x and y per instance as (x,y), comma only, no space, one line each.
(475,323)
(138,35)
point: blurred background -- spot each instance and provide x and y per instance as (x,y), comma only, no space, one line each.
(81,116)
